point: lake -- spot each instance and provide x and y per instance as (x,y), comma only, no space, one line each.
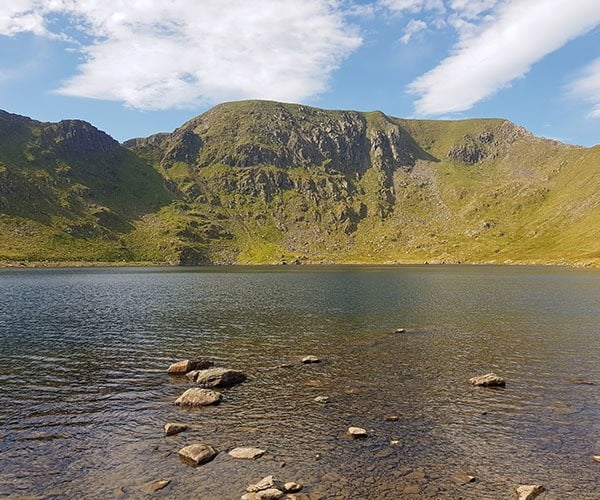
(84,392)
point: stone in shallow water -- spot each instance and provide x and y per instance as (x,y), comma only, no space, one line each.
(187,365)
(154,486)
(596,458)
(198,397)
(197,454)
(310,359)
(400,330)
(292,487)
(357,432)
(248,453)
(322,399)
(267,482)
(216,377)
(529,491)
(268,494)
(488,380)
(174,428)
(462,478)
(391,418)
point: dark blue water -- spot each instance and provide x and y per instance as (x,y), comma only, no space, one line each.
(84,393)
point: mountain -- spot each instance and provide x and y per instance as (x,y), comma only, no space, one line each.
(267,182)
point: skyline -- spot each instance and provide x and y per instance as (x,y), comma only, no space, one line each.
(136,68)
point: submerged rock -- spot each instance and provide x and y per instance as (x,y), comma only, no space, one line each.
(488,380)
(198,397)
(154,486)
(357,432)
(247,453)
(187,365)
(529,491)
(216,377)
(197,454)
(174,428)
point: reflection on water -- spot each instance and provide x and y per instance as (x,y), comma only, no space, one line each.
(84,393)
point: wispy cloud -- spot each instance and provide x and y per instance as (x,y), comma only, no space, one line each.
(587,87)
(502,48)
(413,27)
(159,55)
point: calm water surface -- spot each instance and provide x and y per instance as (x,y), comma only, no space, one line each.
(84,393)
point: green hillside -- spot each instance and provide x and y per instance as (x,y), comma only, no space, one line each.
(267,182)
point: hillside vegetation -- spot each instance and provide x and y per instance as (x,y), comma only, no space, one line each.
(265,182)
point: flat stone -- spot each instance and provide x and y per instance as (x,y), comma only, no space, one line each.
(310,359)
(174,428)
(488,380)
(462,478)
(197,454)
(187,365)
(268,494)
(198,397)
(357,432)
(216,377)
(529,491)
(247,453)
(154,486)
(322,399)
(292,487)
(391,418)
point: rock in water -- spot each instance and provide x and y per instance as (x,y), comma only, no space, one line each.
(310,359)
(173,428)
(462,478)
(322,399)
(154,486)
(400,330)
(248,453)
(357,432)
(265,483)
(197,454)
(198,397)
(292,487)
(488,380)
(216,377)
(529,491)
(187,365)
(596,458)
(268,494)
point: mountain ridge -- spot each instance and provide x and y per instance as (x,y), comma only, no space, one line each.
(268,182)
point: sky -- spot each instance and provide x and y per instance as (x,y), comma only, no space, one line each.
(136,67)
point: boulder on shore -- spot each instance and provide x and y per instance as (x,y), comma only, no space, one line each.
(198,397)
(174,428)
(529,491)
(488,380)
(216,377)
(187,365)
(197,454)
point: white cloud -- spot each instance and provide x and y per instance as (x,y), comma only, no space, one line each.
(502,49)
(18,16)
(413,5)
(412,28)
(159,55)
(472,9)
(587,87)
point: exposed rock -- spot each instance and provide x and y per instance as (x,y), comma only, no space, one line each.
(529,491)
(322,399)
(357,432)
(462,478)
(400,330)
(391,418)
(216,377)
(174,428)
(488,380)
(395,442)
(154,486)
(267,482)
(198,397)
(292,487)
(246,453)
(596,458)
(187,365)
(310,359)
(268,494)
(197,454)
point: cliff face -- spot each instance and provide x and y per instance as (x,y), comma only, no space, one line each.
(266,182)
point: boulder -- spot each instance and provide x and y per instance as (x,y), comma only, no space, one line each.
(198,397)
(247,453)
(488,380)
(529,491)
(197,454)
(216,377)
(187,365)
(173,428)
(154,486)
(310,359)
(357,432)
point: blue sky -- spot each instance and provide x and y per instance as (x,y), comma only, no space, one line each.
(133,68)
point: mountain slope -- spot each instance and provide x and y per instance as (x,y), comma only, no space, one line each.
(267,182)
